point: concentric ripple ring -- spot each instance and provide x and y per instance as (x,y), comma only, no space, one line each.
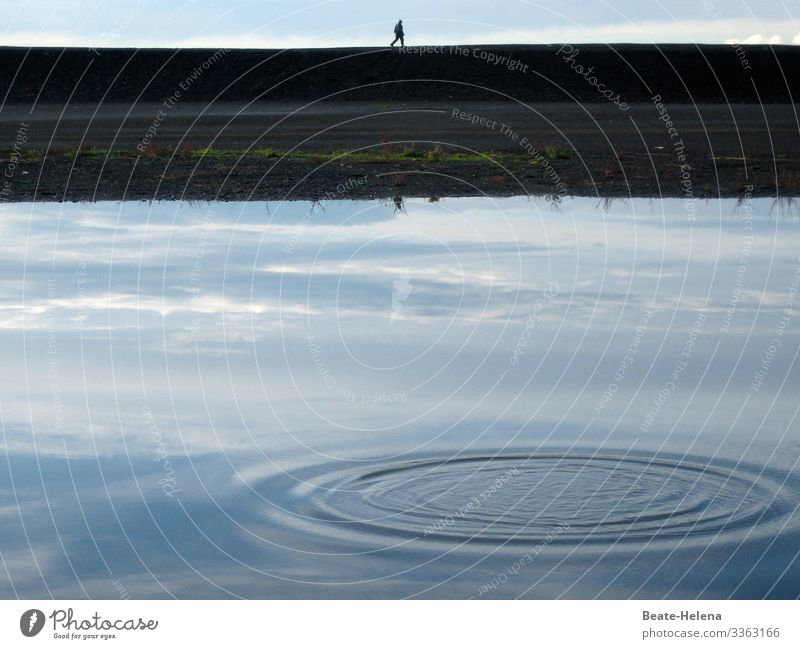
(566,498)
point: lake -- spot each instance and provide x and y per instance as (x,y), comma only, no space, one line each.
(456,398)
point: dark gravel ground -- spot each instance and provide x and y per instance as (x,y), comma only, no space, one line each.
(593,149)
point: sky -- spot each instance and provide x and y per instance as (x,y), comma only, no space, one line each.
(336,23)
(203,314)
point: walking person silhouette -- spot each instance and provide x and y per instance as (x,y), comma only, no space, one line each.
(398,34)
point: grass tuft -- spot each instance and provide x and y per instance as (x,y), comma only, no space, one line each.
(557,153)
(89,152)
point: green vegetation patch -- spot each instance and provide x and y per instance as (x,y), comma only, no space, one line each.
(376,155)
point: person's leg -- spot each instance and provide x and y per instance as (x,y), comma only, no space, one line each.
(402,42)
(393,42)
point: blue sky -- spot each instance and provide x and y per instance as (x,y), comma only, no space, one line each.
(325,23)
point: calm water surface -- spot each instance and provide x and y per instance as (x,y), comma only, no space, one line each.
(471,398)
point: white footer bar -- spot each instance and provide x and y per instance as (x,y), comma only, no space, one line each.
(406,624)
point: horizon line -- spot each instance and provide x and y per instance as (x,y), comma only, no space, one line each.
(410,46)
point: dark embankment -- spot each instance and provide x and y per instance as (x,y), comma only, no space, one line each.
(79,124)
(679,73)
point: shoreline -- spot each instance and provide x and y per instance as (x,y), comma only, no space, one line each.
(228,177)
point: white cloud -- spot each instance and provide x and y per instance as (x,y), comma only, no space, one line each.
(687,31)
(757,39)
(44,39)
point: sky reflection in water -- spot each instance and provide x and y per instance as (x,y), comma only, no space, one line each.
(461,398)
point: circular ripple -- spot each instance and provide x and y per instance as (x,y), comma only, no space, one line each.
(560,498)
